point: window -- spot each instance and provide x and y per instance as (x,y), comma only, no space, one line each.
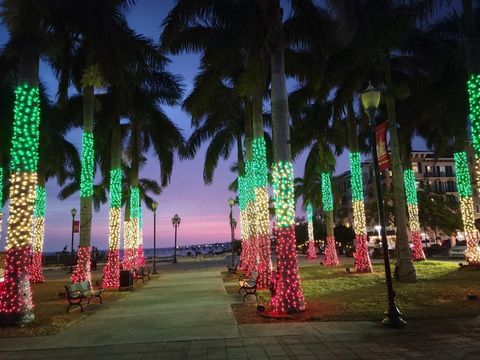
(419,165)
(449,170)
(477,208)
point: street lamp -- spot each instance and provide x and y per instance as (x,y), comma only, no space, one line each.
(176,223)
(154,208)
(73,212)
(370,100)
(233,224)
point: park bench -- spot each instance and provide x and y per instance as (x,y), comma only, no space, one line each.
(232,270)
(141,273)
(80,291)
(249,285)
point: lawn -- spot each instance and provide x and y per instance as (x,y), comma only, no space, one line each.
(50,309)
(332,294)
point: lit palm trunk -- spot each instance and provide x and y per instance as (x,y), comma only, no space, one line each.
(244,256)
(474,100)
(140,255)
(82,270)
(466,207)
(331,258)
(288,295)
(253,255)
(36,271)
(16,298)
(132,231)
(412,205)
(311,252)
(1,198)
(261,211)
(362,258)
(111,271)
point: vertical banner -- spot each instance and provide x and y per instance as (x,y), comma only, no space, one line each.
(382,152)
(76,226)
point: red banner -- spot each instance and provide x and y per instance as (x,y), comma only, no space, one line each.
(382,152)
(76,226)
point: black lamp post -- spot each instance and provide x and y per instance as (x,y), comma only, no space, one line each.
(154,208)
(73,212)
(176,223)
(233,224)
(370,101)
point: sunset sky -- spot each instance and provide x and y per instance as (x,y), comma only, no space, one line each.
(203,209)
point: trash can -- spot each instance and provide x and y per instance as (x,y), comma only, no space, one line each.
(126,280)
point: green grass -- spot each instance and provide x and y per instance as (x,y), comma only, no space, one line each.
(440,291)
(332,294)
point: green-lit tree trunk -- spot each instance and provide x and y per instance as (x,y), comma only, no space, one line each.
(362,258)
(16,299)
(261,191)
(473,85)
(404,269)
(288,293)
(82,270)
(111,271)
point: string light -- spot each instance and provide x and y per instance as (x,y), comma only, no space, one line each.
(16,297)
(253,249)
(362,258)
(1,200)
(111,271)
(331,258)
(412,205)
(288,295)
(261,211)
(140,255)
(473,87)
(36,272)
(82,272)
(132,231)
(87,175)
(472,253)
(311,252)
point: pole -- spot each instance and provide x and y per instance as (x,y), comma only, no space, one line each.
(393,318)
(71,245)
(175,248)
(154,242)
(232,236)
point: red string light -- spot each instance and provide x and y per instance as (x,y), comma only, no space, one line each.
(36,272)
(362,258)
(111,273)
(82,270)
(331,258)
(311,251)
(417,251)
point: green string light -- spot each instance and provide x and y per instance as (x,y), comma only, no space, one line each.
(356,176)
(134,203)
(241,193)
(115,188)
(260,162)
(309,212)
(473,86)
(283,192)
(327,198)
(410,188)
(40,202)
(463,175)
(249,181)
(86,176)
(24,154)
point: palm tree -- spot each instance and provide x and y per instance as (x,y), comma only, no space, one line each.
(313,128)
(57,158)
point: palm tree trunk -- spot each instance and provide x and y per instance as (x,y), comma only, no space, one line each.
(16,304)
(111,271)
(82,270)
(331,257)
(404,269)
(36,271)
(261,191)
(1,193)
(362,258)
(473,85)
(311,251)
(244,255)
(412,203)
(288,295)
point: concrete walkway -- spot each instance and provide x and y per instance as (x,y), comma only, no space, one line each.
(186,314)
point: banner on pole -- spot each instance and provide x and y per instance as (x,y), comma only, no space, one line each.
(382,152)
(76,226)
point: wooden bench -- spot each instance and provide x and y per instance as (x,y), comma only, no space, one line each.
(79,291)
(232,270)
(249,285)
(141,273)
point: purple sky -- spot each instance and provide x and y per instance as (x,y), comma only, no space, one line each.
(203,209)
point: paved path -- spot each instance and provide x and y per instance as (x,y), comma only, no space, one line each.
(186,314)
